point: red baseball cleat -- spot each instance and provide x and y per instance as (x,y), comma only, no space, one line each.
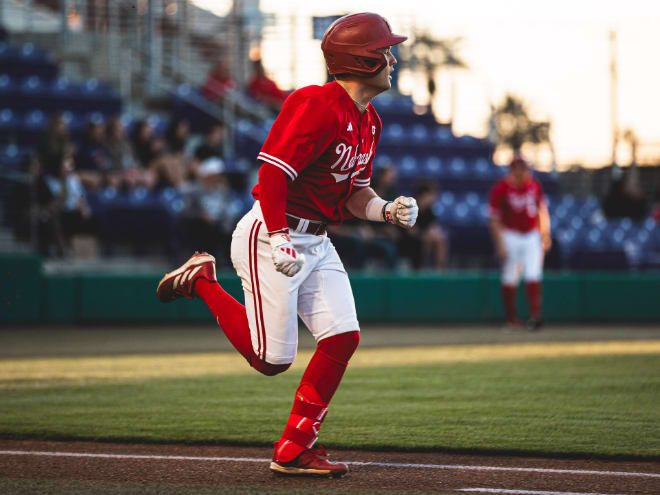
(181,282)
(309,464)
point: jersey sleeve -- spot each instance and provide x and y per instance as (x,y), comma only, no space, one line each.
(302,131)
(496,198)
(364,177)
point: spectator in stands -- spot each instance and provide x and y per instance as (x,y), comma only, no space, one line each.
(218,82)
(210,214)
(172,169)
(177,135)
(625,197)
(212,144)
(145,147)
(65,221)
(263,89)
(93,160)
(655,210)
(56,141)
(125,171)
(426,245)
(385,181)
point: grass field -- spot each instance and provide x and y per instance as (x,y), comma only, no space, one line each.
(556,399)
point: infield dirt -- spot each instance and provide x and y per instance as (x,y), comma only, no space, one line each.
(454,474)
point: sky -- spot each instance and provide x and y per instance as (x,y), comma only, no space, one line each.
(553,55)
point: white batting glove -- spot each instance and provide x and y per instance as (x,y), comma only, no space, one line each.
(285,257)
(402,211)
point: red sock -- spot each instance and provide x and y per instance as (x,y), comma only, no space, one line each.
(232,318)
(317,386)
(533,290)
(509,301)
(229,313)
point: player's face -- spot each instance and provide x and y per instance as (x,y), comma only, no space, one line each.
(518,172)
(383,80)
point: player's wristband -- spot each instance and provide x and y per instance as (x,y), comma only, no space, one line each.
(375,210)
(387,216)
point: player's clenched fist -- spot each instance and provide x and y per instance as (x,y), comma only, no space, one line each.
(285,257)
(402,212)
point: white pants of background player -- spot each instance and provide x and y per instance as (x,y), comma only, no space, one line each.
(320,293)
(523,250)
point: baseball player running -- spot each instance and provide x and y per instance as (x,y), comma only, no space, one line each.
(315,170)
(520,227)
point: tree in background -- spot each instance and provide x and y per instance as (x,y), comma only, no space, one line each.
(512,127)
(428,55)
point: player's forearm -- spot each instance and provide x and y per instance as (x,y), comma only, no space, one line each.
(544,221)
(359,201)
(272,197)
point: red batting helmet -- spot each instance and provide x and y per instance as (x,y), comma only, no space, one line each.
(350,43)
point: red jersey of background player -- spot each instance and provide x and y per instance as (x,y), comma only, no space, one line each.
(517,207)
(326,148)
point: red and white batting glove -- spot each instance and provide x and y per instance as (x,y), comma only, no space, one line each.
(402,211)
(285,257)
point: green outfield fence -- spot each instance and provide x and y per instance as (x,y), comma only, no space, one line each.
(28,295)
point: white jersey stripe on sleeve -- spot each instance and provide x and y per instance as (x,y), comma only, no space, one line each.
(263,156)
(268,160)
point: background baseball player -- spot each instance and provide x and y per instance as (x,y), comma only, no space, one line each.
(520,227)
(316,167)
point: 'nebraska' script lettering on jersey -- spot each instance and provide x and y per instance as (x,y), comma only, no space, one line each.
(326,148)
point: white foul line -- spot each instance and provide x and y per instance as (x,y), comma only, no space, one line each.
(502,468)
(522,492)
(353,463)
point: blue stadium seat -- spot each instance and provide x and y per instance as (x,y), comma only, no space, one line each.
(26,59)
(31,127)
(432,167)
(419,134)
(483,215)
(382,160)
(472,199)
(9,125)
(481,168)
(408,167)
(158,124)
(461,214)
(441,211)
(12,157)
(8,90)
(447,198)
(442,135)
(458,167)
(568,239)
(576,222)
(394,133)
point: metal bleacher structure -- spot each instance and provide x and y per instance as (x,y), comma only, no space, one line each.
(32,89)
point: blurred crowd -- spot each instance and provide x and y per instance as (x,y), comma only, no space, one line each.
(69,173)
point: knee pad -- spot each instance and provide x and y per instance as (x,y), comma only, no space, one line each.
(340,347)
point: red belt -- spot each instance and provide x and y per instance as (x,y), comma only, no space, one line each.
(304,225)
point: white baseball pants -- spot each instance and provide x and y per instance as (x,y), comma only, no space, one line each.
(320,293)
(523,250)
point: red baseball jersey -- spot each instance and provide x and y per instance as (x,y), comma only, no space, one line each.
(326,148)
(517,207)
